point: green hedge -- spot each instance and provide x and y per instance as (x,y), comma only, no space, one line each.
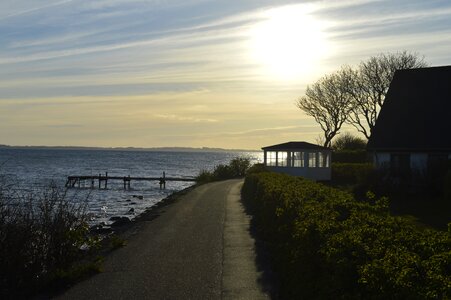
(350,156)
(447,186)
(351,173)
(326,245)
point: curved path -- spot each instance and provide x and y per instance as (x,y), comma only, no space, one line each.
(198,248)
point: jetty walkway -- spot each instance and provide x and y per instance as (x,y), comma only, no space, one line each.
(199,247)
(80,180)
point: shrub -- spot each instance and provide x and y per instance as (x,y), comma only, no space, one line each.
(347,141)
(235,169)
(326,245)
(350,156)
(40,235)
(256,168)
(447,186)
(351,173)
(223,172)
(204,176)
(239,166)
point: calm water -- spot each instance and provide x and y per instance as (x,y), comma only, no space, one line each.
(36,168)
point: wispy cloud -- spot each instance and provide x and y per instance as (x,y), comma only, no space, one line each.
(184,119)
(6,14)
(272,131)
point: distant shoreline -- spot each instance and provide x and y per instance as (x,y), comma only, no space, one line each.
(168,149)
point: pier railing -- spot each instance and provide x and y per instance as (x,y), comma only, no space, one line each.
(80,180)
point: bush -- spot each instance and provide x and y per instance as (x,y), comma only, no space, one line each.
(347,141)
(40,235)
(326,245)
(204,176)
(256,168)
(350,156)
(235,169)
(351,173)
(447,186)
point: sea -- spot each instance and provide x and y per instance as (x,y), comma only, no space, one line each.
(31,170)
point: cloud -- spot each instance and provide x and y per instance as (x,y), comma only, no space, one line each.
(184,119)
(32,10)
(64,125)
(271,131)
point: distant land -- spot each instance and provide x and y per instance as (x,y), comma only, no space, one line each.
(169,149)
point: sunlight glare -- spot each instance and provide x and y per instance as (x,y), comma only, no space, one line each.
(289,42)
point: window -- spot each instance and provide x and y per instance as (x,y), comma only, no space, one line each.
(323,160)
(282,158)
(312,160)
(400,165)
(298,159)
(271,158)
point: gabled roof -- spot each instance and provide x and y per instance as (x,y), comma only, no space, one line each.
(416,115)
(295,146)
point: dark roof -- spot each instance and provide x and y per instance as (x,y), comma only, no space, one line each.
(416,115)
(295,146)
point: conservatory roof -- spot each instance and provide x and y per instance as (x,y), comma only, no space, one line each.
(289,146)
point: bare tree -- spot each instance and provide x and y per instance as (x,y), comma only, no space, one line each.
(369,85)
(328,101)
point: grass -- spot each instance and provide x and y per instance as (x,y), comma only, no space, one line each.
(117,242)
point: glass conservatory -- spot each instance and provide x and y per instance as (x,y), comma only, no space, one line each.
(299,159)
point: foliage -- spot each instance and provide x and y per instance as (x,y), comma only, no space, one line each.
(79,270)
(41,234)
(235,169)
(348,142)
(256,168)
(351,173)
(447,186)
(326,245)
(117,242)
(205,176)
(350,156)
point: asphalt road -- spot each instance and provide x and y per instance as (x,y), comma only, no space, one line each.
(198,248)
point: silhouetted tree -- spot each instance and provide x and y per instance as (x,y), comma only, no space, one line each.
(348,141)
(329,102)
(370,83)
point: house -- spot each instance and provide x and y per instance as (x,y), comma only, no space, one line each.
(299,159)
(412,134)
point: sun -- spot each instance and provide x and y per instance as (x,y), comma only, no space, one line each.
(289,42)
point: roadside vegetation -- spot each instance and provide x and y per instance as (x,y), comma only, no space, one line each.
(348,148)
(326,244)
(237,168)
(43,238)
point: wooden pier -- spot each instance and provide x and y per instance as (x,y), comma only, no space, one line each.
(79,181)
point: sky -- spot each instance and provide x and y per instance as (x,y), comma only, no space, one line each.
(191,73)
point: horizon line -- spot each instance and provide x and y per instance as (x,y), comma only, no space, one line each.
(167,148)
